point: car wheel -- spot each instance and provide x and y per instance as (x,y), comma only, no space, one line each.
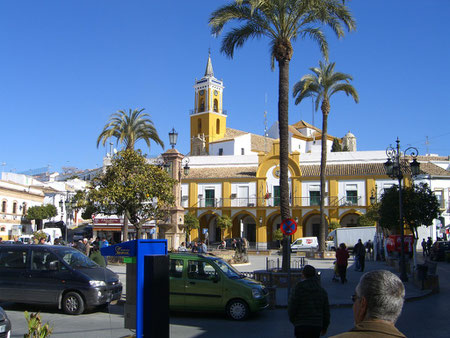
(73,304)
(237,309)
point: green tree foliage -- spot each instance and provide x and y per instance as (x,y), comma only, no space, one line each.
(281,22)
(37,235)
(336,147)
(41,212)
(130,127)
(89,211)
(333,225)
(420,207)
(224,222)
(370,217)
(322,85)
(277,235)
(191,222)
(130,186)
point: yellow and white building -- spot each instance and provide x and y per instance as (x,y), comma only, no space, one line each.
(236,173)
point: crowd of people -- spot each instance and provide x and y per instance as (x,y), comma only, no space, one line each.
(90,247)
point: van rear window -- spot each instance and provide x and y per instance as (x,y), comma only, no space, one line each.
(13,258)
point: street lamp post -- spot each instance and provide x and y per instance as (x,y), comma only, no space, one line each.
(394,170)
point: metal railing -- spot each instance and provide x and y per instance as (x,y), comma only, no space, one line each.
(204,110)
(349,201)
(248,202)
(275,264)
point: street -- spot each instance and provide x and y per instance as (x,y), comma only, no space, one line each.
(425,317)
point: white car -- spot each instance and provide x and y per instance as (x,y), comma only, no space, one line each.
(305,243)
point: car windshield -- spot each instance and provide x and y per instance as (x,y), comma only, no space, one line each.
(227,269)
(76,259)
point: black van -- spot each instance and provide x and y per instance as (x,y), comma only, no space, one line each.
(56,275)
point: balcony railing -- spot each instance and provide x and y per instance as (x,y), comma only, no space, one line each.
(349,201)
(249,202)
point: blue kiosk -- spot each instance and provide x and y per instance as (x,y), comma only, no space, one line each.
(147,285)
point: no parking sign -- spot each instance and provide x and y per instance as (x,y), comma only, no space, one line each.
(288,227)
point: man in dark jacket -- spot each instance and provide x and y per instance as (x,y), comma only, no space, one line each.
(360,255)
(308,306)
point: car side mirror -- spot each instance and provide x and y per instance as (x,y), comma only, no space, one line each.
(215,278)
(53,266)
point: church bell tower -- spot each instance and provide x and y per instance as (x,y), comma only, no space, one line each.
(208,119)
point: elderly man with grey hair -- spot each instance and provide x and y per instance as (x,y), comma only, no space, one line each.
(377,304)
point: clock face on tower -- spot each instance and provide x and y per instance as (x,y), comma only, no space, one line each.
(216,93)
(202,92)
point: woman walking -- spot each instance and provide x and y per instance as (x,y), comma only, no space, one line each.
(342,261)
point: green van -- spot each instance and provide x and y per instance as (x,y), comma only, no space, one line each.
(200,282)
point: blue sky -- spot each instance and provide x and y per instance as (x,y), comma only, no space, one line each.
(66,66)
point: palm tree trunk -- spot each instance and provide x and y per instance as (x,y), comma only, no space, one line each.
(323,164)
(125,228)
(283,125)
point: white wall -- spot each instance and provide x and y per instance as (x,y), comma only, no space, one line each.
(360,186)
(244,141)
(228,148)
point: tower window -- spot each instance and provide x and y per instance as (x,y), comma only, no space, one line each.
(242,151)
(202,105)
(216,105)
(220,151)
(217,126)
(14,207)
(3,206)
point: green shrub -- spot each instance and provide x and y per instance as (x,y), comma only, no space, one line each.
(35,327)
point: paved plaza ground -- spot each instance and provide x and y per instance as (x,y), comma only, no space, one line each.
(424,315)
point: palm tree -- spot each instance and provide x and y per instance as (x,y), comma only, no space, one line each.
(282,22)
(321,85)
(130,127)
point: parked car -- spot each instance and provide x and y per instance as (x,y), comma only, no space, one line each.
(207,283)
(305,243)
(55,275)
(438,250)
(5,324)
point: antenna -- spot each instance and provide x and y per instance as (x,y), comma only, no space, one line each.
(265,123)
(426,144)
(312,109)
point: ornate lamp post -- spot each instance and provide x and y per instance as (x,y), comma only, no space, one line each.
(394,170)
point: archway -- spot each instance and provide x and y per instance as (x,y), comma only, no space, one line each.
(244,225)
(208,228)
(311,225)
(350,219)
(273,223)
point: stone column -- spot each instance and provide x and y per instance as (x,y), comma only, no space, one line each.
(173,229)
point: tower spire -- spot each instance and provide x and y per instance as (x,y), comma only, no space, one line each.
(209,68)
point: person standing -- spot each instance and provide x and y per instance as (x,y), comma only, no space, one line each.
(308,306)
(429,244)
(342,262)
(377,304)
(182,247)
(424,247)
(195,248)
(360,255)
(204,247)
(96,256)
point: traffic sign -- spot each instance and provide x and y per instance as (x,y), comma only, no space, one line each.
(288,227)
